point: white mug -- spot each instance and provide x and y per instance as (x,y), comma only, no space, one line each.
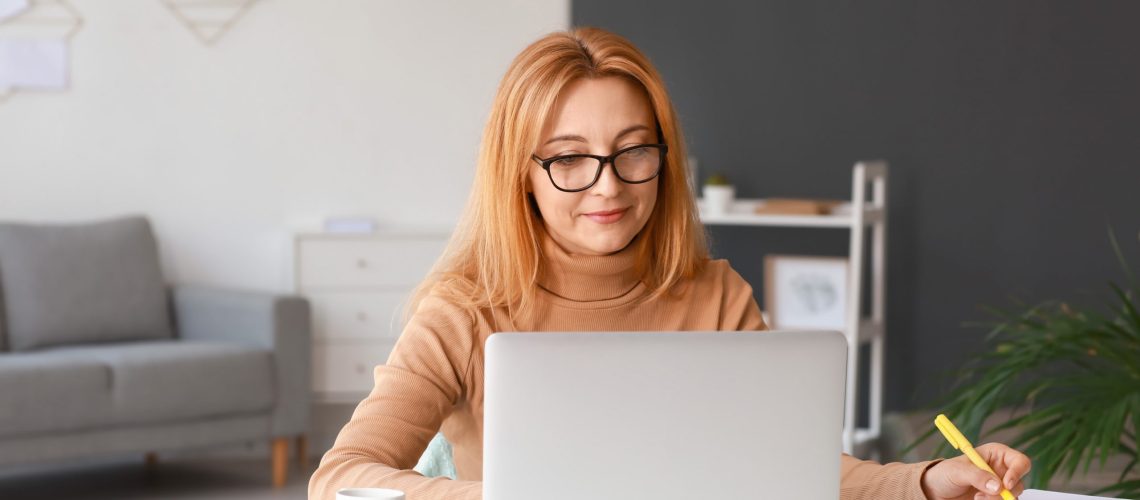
(373,493)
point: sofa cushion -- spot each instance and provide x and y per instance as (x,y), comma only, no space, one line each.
(45,392)
(82,283)
(170,380)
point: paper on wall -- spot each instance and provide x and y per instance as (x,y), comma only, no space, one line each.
(9,8)
(37,63)
(1051,495)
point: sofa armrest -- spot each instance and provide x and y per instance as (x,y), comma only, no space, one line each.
(279,323)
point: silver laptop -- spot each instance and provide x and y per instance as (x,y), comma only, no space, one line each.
(663,415)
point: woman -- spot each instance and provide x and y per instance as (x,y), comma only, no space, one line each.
(557,242)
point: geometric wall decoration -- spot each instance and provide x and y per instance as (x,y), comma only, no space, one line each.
(35,37)
(209,20)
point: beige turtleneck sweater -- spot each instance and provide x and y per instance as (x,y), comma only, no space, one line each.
(433,379)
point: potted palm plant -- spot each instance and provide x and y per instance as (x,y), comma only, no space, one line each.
(1072,377)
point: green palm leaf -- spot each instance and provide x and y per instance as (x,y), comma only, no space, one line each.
(1071,377)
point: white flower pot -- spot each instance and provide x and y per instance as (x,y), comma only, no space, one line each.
(718,199)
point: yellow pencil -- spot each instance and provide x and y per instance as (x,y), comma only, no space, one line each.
(959,442)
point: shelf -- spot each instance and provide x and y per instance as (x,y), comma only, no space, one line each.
(865,209)
(863,436)
(743,213)
(864,443)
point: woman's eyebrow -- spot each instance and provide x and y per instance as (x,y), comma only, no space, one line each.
(577,138)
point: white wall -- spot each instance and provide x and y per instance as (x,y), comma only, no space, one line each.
(307,108)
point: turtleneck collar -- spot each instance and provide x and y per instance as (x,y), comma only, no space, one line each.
(587,278)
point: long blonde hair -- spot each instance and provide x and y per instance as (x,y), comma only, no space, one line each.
(494,257)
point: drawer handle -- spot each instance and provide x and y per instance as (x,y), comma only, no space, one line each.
(361,263)
(362,316)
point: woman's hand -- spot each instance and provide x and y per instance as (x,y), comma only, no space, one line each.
(960,479)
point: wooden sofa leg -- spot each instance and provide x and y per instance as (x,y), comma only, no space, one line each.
(151,460)
(280,460)
(303,452)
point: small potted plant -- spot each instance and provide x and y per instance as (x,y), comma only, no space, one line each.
(718,194)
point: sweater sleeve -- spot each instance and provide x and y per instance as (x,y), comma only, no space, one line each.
(413,394)
(868,480)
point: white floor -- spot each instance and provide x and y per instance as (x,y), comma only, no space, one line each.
(241,472)
(187,479)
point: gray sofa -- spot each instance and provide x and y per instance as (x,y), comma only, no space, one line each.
(99,356)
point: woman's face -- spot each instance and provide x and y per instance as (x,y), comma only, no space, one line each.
(595,116)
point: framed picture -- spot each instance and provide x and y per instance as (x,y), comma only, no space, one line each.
(805,292)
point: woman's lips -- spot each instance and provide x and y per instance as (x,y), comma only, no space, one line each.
(607,216)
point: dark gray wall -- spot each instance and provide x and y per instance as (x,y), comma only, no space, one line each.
(1011,128)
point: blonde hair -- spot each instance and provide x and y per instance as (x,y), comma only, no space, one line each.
(494,256)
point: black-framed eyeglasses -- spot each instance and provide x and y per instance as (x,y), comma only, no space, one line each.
(578,172)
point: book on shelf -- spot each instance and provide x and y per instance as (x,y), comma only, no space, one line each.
(801,206)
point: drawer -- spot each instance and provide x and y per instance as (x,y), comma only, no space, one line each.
(357,315)
(397,262)
(346,367)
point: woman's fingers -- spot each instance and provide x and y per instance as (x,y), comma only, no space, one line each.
(1017,489)
(981,480)
(1011,465)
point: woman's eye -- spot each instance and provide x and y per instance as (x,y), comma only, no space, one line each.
(568,162)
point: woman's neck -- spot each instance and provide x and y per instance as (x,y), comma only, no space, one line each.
(586,278)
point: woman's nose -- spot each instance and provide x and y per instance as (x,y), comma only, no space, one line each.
(608,183)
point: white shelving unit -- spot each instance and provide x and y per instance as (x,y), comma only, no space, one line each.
(357,285)
(859,330)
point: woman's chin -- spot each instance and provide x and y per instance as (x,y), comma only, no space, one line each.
(605,246)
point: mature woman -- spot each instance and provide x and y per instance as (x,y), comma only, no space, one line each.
(580,220)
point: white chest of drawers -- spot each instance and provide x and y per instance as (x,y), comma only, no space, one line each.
(357,286)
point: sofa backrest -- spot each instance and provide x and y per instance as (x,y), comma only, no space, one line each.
(81,283)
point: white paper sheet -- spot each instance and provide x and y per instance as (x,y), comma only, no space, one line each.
(1051,495)
(39,63)
(9,8)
